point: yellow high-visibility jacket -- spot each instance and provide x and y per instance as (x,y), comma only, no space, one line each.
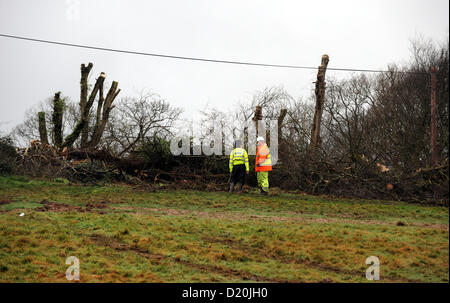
(238,156)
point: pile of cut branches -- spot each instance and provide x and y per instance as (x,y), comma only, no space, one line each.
(44,160)
(39,160)
(90,165)
(429,185)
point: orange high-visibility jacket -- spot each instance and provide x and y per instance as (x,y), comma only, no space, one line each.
(263,161)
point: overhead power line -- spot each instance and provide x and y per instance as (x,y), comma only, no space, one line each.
(200,59)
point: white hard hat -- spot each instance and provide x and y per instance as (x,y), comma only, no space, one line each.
(260,139)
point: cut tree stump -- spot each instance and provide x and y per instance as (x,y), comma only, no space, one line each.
(320,100)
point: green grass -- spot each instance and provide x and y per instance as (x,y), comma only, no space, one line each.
(133,234)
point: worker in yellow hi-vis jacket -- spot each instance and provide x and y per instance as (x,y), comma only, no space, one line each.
(238,166)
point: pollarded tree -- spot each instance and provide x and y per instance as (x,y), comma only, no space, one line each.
(104,107)
(38,122)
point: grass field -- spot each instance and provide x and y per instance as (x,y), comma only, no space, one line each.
(128,234)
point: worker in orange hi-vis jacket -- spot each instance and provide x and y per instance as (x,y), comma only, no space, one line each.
(263,165)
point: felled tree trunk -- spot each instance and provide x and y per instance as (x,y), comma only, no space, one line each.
(320,100)
(42,128)
(58,109)
(85,70)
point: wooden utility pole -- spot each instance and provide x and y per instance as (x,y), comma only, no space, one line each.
(434,152)
(320,100)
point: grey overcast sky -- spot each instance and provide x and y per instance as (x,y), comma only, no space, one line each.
(354,33)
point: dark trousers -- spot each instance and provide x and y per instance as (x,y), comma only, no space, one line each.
(238,174)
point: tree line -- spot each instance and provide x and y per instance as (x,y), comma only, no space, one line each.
(374,126)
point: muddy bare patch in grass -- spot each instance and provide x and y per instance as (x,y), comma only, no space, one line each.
(57,207)
(5,201)
(60,207)
(98,205)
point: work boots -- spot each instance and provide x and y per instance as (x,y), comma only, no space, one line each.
(231,187)
(239,188)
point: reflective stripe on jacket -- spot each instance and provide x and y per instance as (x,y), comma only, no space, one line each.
(263,161)
(238,156)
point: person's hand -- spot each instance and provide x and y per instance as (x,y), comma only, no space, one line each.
(247,172)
